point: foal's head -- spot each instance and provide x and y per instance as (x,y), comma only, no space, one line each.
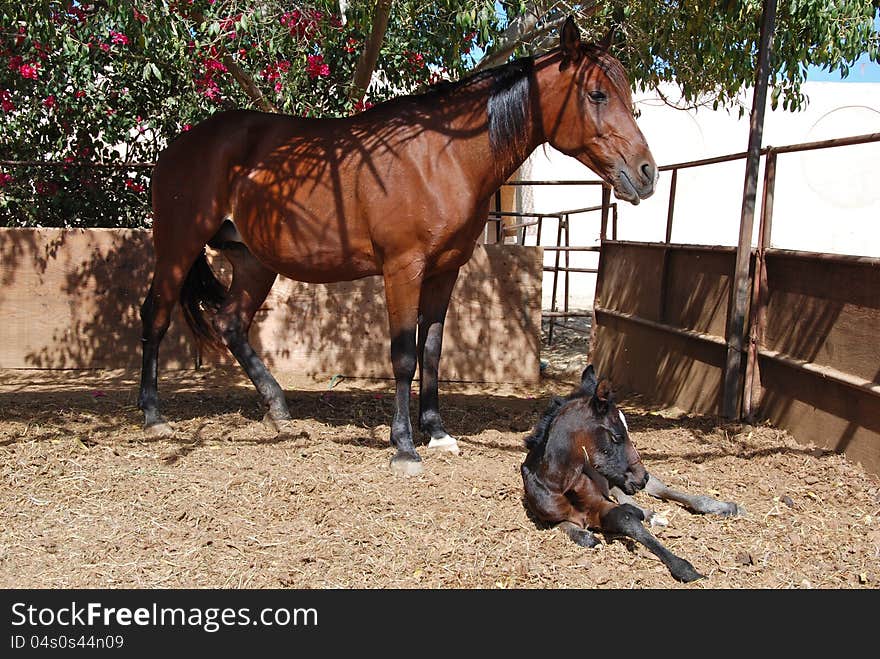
(590,117)
(586,431)
(604,437)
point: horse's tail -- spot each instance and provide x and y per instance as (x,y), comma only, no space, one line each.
(202,291)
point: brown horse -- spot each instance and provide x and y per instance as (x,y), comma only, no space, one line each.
(401,191)
(581,457)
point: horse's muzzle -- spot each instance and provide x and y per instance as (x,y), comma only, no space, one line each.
(635,480)
(634,185)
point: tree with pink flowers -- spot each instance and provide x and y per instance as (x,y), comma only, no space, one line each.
(88,85)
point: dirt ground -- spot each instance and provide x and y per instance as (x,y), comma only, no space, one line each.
(87,501)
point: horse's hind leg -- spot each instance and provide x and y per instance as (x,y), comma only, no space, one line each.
(155,317)
(168,278)
(552,505)
(251,283)
(433,304)
(699,503)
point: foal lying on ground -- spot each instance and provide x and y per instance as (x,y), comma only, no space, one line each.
(581,467)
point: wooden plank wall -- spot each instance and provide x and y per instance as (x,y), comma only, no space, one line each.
(823,318)
(70,299)
(824,312)
(673,285)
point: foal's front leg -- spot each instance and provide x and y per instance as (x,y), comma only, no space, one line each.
(433,304)
(402,289)
(627,520)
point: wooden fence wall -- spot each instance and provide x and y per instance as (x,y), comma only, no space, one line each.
(71,298)
(660,322)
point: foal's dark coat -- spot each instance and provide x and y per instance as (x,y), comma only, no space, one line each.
(578,452)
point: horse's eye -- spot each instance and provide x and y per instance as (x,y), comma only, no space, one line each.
(598,96)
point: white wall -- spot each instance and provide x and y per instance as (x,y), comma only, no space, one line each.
(826,201)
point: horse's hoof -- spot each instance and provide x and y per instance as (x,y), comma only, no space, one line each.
(685,572)
(160,430)
(406,464)
(275,423)
(444,443)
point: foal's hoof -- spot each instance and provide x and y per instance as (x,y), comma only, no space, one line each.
(406,464)
(444,443)
(685,572)
(160,430)
(712,506)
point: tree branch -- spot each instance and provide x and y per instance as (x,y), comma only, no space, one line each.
(370,55)
(524,29)
(247,83)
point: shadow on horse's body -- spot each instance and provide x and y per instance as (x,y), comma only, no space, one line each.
(582,467)
(401,191)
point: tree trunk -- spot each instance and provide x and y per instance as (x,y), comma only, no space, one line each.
(370,55)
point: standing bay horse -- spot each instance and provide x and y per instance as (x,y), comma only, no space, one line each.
(401,190)
(582,467)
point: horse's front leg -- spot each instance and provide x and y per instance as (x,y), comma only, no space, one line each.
(627,520)
(433,304)
(402,289)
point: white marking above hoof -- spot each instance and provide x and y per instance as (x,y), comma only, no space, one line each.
(658,520)
(406,468)
(445,443)
(159,431)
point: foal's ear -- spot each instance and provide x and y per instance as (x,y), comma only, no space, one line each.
(602,398)
(570,42)
(588,377)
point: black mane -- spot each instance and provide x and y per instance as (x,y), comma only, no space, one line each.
(542,430)
(509,104)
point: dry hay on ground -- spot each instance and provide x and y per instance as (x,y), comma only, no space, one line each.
(87,501)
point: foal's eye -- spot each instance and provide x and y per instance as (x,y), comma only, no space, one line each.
(598,96)
(616,438)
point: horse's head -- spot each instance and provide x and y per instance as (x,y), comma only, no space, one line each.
(587,113)
(609,449)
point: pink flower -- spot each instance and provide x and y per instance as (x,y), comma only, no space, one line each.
(316,67)
(46,187)
(362,105)
(30,71)
(118,38)
(134,187)
(5,179)
(138,15)
(15,62)
(49,101)
(105,47)
(186,127)
(5,101)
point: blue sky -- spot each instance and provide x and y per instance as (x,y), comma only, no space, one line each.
(863,70)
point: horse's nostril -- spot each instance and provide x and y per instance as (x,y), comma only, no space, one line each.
(648,171)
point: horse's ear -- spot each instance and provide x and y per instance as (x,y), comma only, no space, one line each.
(570,42)
(602,398)
(588,377)
(608,39)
